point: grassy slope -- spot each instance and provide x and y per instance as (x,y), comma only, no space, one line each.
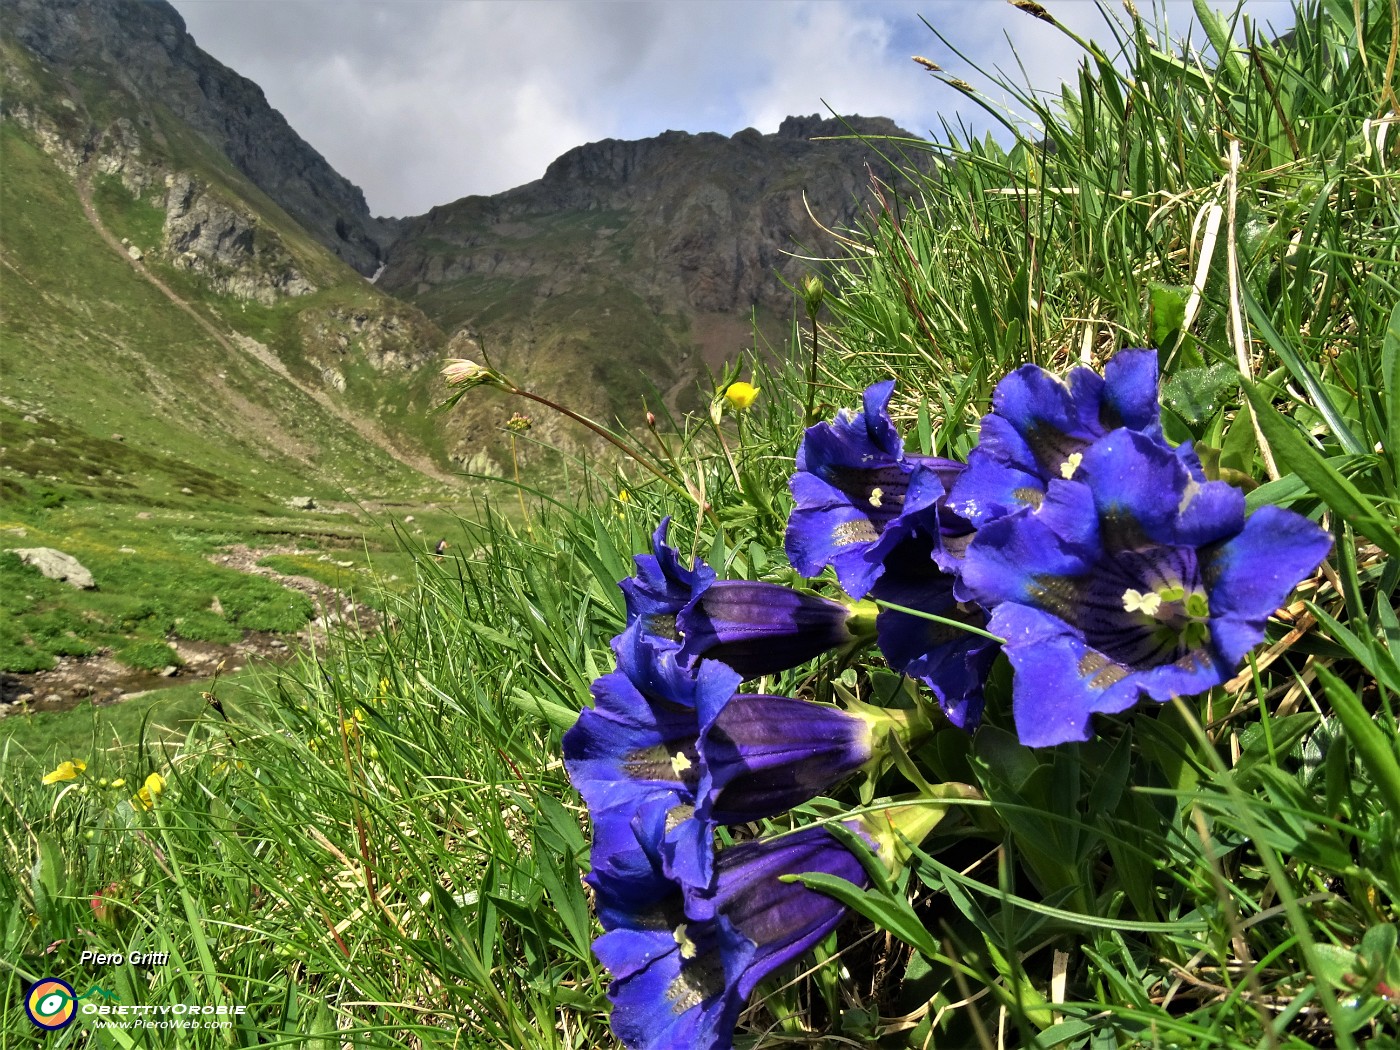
(117,401)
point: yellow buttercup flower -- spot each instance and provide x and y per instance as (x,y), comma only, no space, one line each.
(740,395)
(66,771)
(155,784)
(350,727)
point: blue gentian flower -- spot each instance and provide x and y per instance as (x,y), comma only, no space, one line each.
(952,662)
(683,967)
(1040,426)
(698,755)
(858,494)
(1135,579)
(761,628)
(662,587)
(756,628)
(632,751)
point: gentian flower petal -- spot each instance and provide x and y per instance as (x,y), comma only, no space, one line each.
(654,598)
(1061,681)
(1129,397)
(1253,573)
(857,493)
(757,628)
(783,920)
(1012,556)
(684,966)
(1041,425)
(761,628)
(631,752)
(675,984)
(765,754)
(685,963)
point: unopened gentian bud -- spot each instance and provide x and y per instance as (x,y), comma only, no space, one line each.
(761,628)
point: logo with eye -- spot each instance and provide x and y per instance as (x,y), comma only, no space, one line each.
(51,1004)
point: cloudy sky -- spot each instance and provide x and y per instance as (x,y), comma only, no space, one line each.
(421,102)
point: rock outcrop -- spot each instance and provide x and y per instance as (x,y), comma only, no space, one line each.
(143,47)
(698,223)
(617,278)
(57,565)
(208,235)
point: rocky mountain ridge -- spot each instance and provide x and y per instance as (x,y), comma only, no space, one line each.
(143,48)
(703,221)
(632,267)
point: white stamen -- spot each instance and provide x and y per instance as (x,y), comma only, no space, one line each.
(680,763)
(876,495)
(1135,601)
(688,947)
(1071,464)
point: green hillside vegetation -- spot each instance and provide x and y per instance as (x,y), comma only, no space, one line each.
(136,408)
(379,846)
(85,339)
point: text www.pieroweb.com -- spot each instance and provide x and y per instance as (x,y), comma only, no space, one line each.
(183,1016)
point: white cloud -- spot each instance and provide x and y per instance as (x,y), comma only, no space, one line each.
(421,103)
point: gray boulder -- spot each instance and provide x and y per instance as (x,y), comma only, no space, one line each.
(58,566)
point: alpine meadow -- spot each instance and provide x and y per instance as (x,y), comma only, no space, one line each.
(1002,652)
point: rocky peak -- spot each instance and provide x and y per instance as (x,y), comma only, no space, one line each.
(818,127)
(143,48)
(701,221)
(632,266)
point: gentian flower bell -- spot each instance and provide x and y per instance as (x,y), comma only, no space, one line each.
(1040,426)
(685,965)
(699,756)
(1135,579)
(859,494)
(756,628)
(633,751)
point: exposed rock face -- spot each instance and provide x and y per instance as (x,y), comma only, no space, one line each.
(206,234)
(143,46)
(390,340)
(699,223)
(631,266)
(57,565)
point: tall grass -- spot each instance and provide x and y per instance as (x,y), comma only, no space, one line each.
(385,852)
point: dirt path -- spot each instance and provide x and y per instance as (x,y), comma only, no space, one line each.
(240,344)
(103,680)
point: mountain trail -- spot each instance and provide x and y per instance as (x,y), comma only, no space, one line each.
(102,680)
(236,343)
